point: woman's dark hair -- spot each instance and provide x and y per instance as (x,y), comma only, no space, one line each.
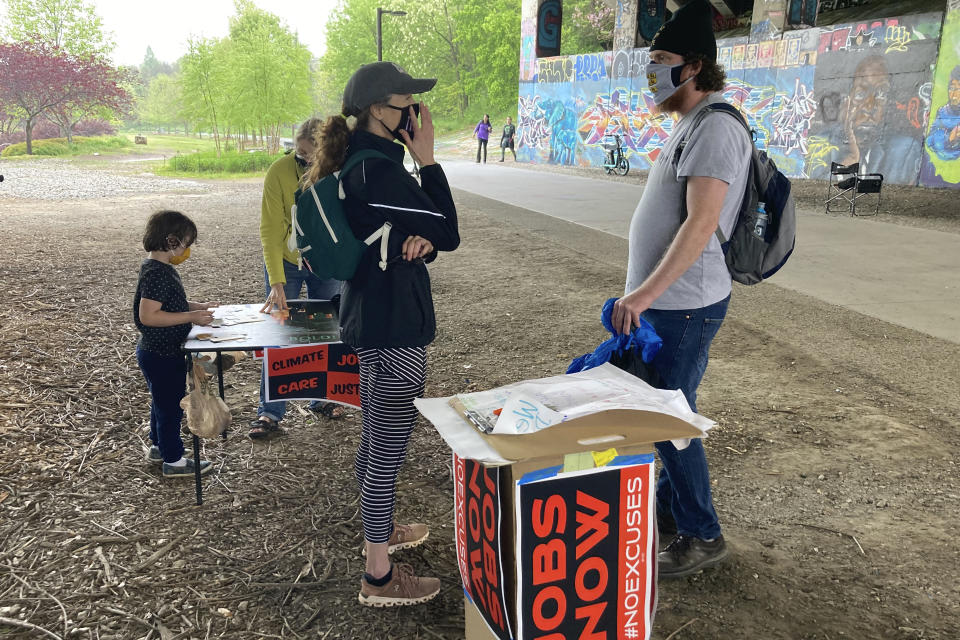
(711,76)
(332,138)
(166,228)
(486,118)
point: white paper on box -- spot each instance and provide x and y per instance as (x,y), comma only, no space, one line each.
(531,405)
(463,439)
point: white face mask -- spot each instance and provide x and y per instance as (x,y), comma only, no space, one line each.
(664,80)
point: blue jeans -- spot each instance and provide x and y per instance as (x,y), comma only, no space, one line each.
(167,380)
(683,488)
(317,289)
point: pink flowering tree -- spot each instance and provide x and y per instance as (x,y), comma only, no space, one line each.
(38,79)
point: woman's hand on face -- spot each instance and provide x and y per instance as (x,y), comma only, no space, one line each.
(416,247)
(421,146)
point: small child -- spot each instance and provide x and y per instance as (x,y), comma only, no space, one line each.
(163,315)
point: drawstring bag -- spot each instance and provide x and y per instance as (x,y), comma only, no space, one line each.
(207,414)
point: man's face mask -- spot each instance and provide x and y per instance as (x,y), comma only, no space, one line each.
(664,80)
(406,124)
(303,162)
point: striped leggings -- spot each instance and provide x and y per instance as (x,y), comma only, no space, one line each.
(390,379)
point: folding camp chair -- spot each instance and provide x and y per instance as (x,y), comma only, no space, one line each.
(847,186)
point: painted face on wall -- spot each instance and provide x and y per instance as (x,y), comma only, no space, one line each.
(953,92)
(869,95)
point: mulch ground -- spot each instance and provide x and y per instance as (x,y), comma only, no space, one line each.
(834,473)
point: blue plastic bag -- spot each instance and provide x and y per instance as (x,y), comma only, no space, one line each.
(644,338)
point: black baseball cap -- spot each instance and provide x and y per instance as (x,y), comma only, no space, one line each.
(375,81)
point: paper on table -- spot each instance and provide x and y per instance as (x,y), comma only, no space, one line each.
(231,315)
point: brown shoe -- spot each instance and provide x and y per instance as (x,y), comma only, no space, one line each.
(404,536)
(404,589)
(407,536)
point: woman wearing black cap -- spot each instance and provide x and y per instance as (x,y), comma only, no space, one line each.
(386,309)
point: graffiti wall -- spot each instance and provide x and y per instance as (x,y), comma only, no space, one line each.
(941,158)
(862,92)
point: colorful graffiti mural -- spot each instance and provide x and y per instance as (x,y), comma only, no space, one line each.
(861,92)
(941,161)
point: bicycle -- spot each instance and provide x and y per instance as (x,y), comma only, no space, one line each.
(615,160)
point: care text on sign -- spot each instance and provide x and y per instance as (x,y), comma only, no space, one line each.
(316,372)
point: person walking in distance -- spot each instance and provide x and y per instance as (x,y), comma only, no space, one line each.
(677,278)
(482,133)
(387,313)
(506,139)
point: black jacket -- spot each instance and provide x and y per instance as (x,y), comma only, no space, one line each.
(393,308)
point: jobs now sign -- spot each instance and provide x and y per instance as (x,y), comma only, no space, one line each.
(476,500)
(316,372)
(586,558)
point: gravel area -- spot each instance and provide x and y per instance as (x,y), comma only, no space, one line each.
(55,179)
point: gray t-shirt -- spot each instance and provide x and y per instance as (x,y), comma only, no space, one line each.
(718,148)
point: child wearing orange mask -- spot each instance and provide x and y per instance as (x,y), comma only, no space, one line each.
(163,316)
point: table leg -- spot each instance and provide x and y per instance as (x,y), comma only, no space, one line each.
(196,468)
(220,384)
(196,448)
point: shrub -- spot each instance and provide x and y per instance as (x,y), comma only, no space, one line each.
(207,162)
(44,130)
(60,147)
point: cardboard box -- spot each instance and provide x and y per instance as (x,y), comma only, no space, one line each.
(555,530)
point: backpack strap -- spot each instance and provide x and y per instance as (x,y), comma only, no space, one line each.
(383,233)
(713,107)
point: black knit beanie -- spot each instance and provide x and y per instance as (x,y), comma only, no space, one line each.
(689,30)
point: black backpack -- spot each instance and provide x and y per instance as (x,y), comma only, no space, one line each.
(752,258)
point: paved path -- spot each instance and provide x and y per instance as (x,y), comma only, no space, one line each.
(903,275)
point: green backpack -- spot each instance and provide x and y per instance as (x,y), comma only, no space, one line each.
(321,233)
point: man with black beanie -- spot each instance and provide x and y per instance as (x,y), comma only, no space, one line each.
(677,279)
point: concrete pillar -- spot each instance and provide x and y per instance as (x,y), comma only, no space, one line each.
(625,25)
(528,37)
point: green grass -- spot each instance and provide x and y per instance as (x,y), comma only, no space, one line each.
(206,164)
(60,147)
(171,144)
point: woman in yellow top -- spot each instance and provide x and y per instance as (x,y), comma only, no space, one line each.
(282,277)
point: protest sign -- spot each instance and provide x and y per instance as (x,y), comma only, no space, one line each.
(316,372)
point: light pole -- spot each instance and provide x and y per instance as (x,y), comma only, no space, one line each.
(380,12)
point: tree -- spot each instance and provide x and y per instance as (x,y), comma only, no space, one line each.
(471,48)
(150,68)
(485,30)
(162,103)
(270,73)
(35,78)
(70,25)
(587,26)
(10,118)
(205,81)
(96,89)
